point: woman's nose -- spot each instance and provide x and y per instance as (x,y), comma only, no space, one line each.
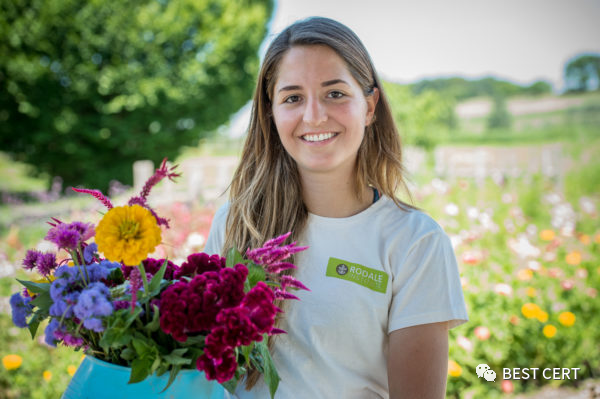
(315,112)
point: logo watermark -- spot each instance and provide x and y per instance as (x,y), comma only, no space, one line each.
(517,373)
(483,370)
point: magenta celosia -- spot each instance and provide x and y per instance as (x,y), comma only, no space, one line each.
(199,263)
(189,307)
(222,369)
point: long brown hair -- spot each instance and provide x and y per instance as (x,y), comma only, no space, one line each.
(266,192)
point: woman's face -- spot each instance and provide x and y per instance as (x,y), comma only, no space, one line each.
(320,110)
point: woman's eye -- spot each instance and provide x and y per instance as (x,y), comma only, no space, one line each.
(336,94)
(292,99)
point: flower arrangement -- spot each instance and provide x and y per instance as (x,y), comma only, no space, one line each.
(108,298)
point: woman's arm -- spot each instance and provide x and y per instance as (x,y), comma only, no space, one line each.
(418,362)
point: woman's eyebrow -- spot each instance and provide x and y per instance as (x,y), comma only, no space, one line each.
(333,82)
(324,84)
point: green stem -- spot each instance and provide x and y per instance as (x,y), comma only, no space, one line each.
(145,283)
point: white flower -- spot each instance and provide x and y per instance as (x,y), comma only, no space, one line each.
(451,209)
(503,289)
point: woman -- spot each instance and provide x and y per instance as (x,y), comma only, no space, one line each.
(322,159)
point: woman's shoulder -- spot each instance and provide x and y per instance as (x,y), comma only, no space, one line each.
(407,225)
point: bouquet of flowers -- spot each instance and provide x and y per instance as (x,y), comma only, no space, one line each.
(110,299)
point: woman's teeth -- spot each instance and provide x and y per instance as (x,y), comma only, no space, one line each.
(318,137)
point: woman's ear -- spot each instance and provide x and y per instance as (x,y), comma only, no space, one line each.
(372,100)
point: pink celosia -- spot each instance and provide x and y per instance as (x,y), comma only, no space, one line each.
(96,194)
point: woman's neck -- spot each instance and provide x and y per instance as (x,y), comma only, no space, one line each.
(331,196)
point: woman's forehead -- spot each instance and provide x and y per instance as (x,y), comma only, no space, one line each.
(317,63)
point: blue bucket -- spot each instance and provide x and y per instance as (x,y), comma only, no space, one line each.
(96,379)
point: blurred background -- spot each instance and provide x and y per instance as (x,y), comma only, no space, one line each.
(497,103)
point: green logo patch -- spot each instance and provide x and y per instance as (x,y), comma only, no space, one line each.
(375,280)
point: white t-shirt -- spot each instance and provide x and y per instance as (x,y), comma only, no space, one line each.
(369,274)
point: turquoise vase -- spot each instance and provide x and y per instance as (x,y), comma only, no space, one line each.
(96,379)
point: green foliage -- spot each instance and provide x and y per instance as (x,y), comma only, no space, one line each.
(583,73)
(422,119)
(462,89)
(88,88)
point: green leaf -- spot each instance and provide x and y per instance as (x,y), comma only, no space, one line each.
(231,385)
(127,354)
(270,372)
(172,376)
(155,364)
(154,286)
(36,288)
(176,357)
(141,346)
(34,323)
(234,257)
(255,274)
(140,369)
(197,340)
(155,323)
(43,301)
(246,351)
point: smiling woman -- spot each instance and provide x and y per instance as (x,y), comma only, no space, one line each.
(323,160)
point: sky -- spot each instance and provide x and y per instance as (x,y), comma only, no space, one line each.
(517,40)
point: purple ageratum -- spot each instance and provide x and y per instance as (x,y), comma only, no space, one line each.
(70,235)
(49,336)
(21,309)
(89,252)
(65,291)
(93,303)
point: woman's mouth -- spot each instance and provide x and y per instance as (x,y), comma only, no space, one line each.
(318,137)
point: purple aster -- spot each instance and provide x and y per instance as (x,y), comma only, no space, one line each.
(64,237)
(31,259)
(21,309)
(86,230)
(46,263)
(68,339)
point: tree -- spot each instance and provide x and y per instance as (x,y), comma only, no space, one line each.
(86,88)
(499,117)
(582,73)
(424,119)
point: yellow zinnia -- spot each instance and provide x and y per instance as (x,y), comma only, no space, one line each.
(47,375)
(530,310)
(585,239)
(549,331)
(567,319)
(542,316)
(454,369)
(525,274)
(531,292)
(573,258)
(12,362)
(127,234)
(71,370)
(547,235)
